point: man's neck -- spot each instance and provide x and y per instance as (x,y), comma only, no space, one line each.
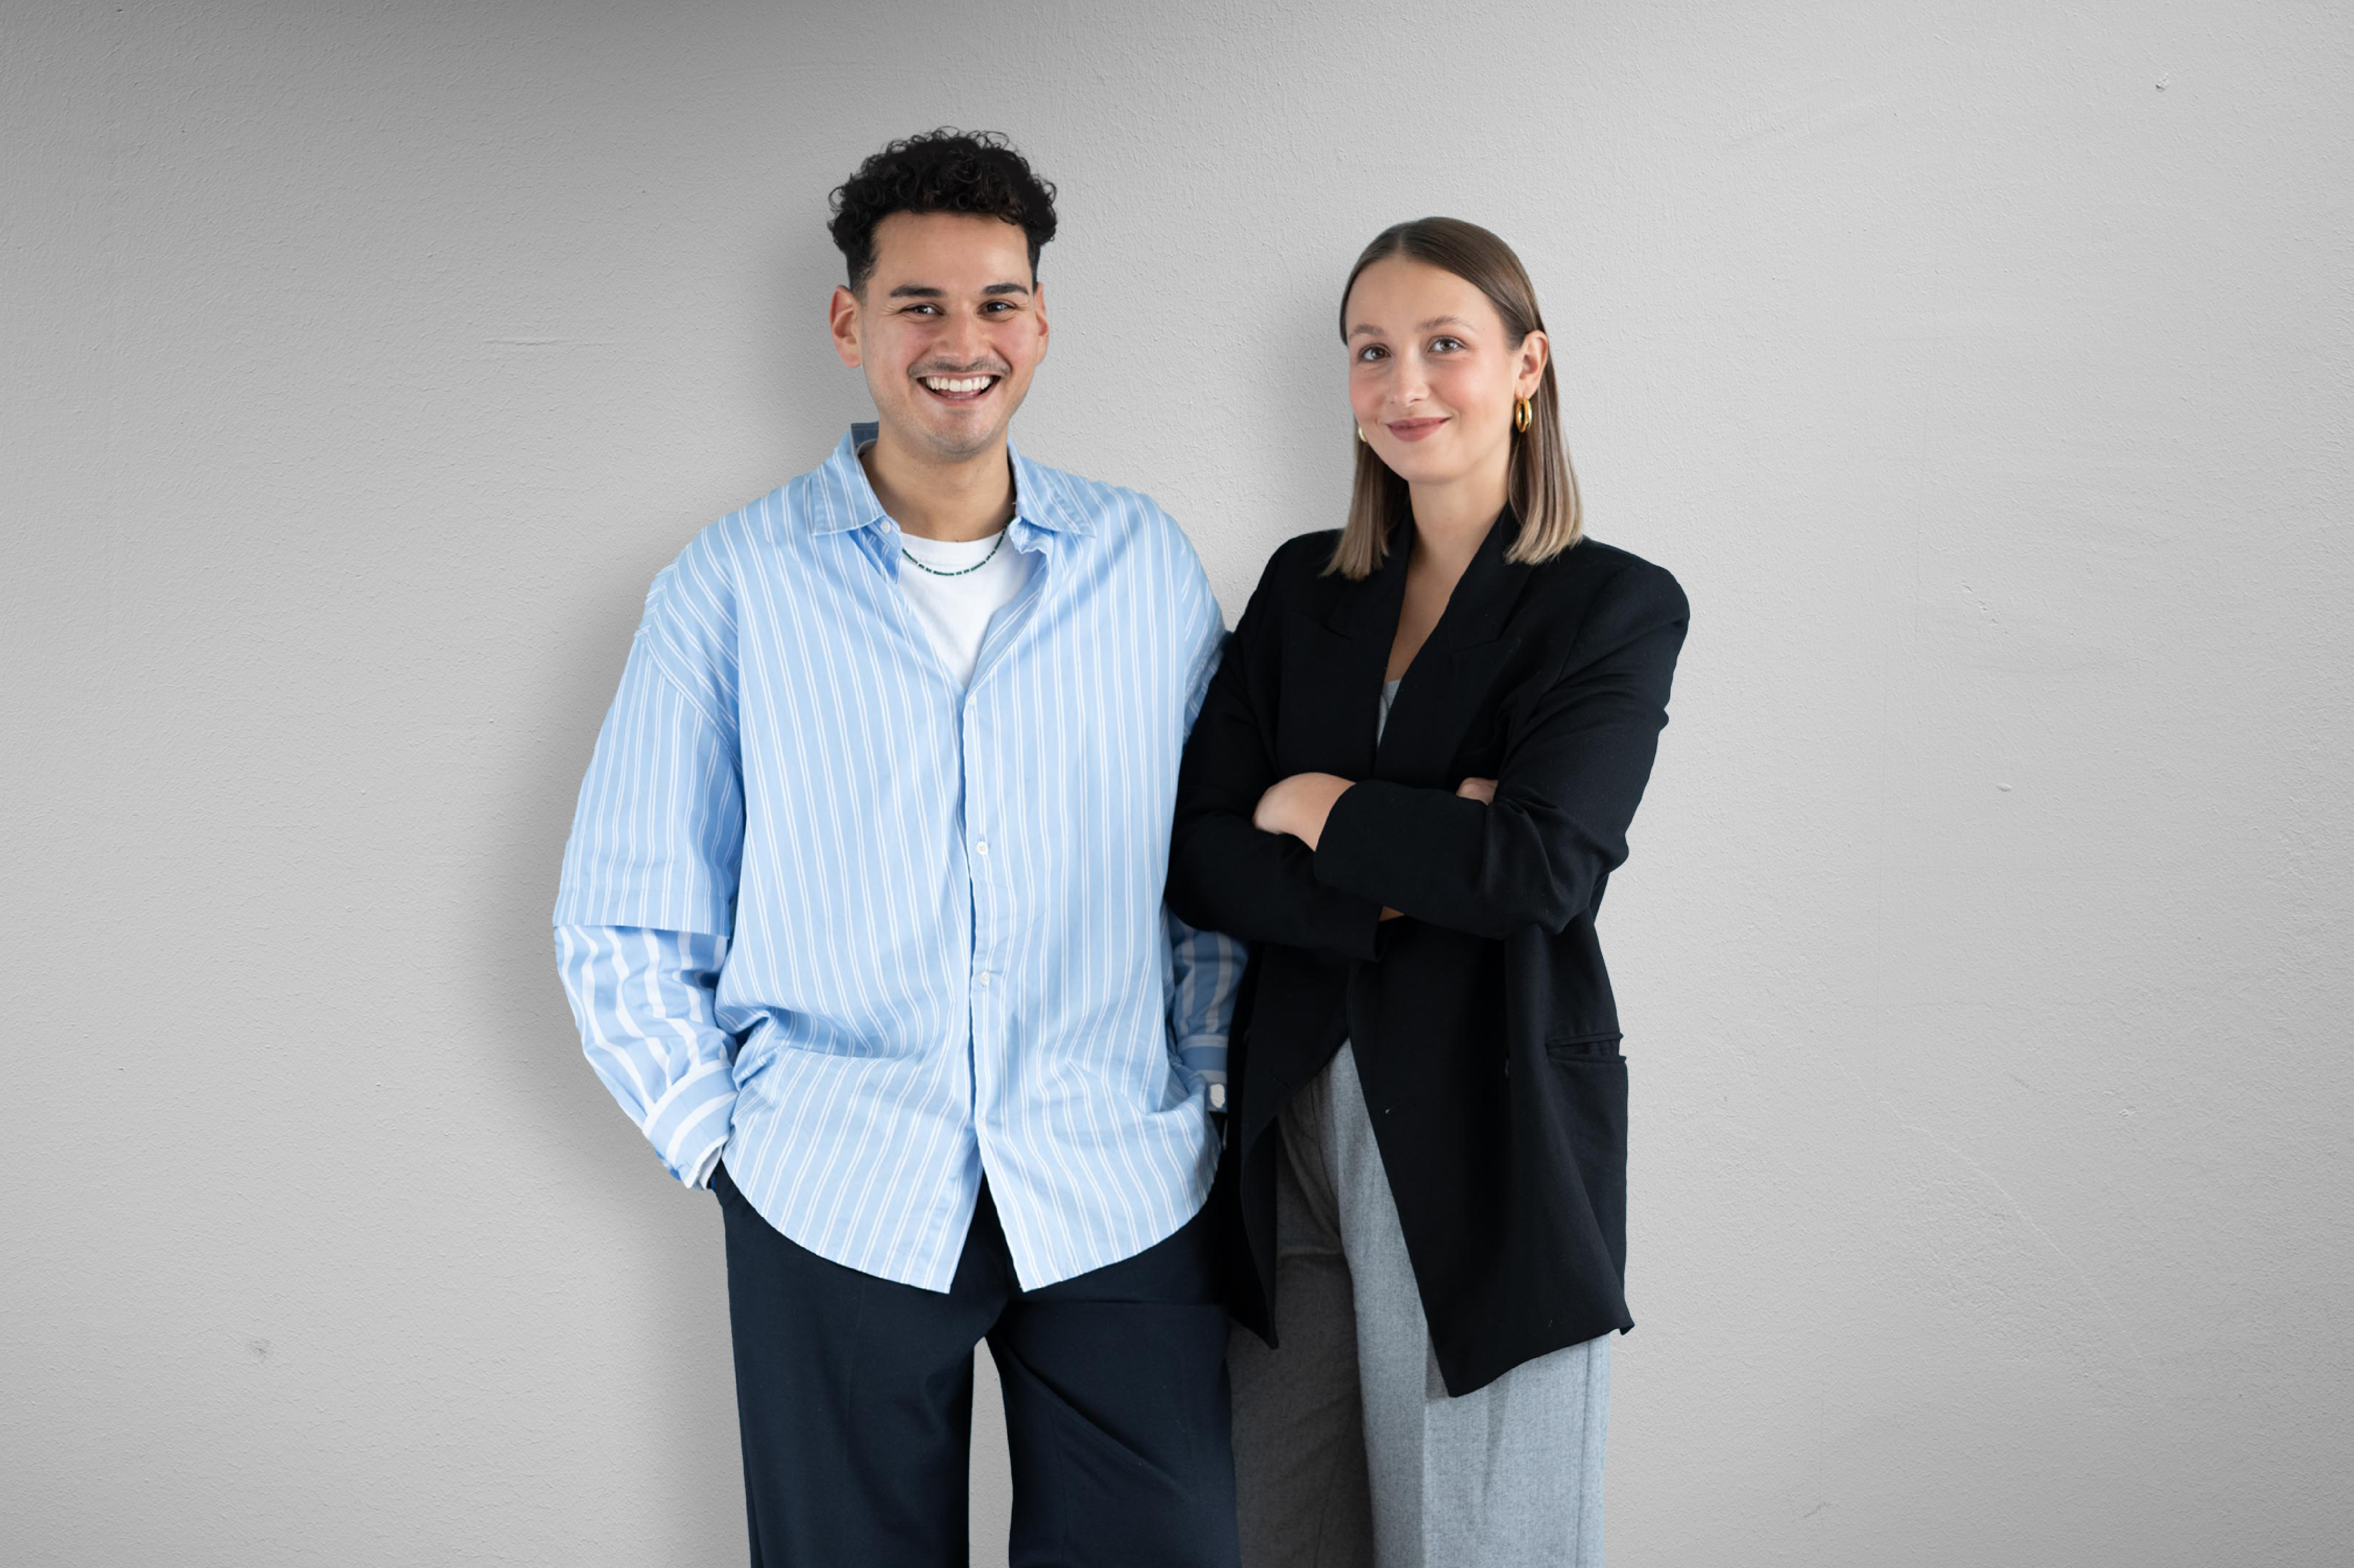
(968,499)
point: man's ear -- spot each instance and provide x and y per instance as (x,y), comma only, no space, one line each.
(842,321)
(1038,309)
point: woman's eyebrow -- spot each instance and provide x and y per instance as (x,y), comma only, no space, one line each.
(1435,322)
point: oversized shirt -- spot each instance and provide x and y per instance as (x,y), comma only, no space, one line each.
(878,934)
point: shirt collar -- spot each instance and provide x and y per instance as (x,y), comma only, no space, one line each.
(846,497)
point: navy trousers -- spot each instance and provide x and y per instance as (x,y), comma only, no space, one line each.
(855,1399)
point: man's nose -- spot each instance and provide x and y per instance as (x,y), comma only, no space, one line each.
(965,344)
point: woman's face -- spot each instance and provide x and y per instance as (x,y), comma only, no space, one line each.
(1433,374)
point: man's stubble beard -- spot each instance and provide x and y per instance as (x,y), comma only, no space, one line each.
(948,448)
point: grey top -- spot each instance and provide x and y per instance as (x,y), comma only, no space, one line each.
(1389,695)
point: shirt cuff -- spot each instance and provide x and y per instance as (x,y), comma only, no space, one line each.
(691,1119)
(1202,1059)
(707,1167)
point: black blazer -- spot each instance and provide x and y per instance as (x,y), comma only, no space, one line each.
(1482,1021)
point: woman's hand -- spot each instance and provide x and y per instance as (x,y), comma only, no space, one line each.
(1299,805)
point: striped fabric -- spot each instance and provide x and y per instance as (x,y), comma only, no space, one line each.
(878,935)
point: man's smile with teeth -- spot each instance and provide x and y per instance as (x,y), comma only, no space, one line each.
(959,384)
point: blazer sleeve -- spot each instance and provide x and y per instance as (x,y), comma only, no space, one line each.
(1224,875)
(1572,775)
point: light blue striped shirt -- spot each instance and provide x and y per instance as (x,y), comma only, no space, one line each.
(878,934)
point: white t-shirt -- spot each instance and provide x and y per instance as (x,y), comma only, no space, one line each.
(956,611)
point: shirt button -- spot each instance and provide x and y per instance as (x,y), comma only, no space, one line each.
(981,848)
(981,979)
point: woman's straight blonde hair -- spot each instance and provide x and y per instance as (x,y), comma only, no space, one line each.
(1540,484)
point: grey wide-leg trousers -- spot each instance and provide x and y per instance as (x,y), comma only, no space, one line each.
(1348,1451)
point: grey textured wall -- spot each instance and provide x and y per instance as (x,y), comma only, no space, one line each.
(1981,369)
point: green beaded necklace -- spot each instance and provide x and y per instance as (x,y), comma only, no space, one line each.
(961,571)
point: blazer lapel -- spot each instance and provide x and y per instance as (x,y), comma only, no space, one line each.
(1339,663)
(1445,685)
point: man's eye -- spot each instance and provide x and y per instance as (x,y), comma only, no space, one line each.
(918,309)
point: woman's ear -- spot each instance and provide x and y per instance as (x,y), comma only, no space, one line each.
(1536,351)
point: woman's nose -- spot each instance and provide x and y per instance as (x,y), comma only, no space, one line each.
(1411,385)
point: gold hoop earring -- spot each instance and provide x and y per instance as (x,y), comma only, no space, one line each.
(1361,437)
(1522,414)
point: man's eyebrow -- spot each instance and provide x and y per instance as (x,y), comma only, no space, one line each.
(926,292)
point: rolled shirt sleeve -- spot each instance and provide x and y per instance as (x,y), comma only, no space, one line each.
(645,910)
(1208,968)
(644,1001)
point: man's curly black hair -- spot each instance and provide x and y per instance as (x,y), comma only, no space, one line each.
(940,170)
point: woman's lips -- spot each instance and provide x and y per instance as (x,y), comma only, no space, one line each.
(1413,429)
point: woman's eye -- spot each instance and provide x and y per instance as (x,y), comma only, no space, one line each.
(1370,353)
(1443,344)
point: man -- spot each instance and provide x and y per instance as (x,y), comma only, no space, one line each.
(862,923)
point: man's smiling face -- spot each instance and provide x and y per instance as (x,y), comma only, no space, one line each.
(948,328)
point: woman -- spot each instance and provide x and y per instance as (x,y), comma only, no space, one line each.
(1409,785)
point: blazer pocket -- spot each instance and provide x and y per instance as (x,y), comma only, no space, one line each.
(1584,1047)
